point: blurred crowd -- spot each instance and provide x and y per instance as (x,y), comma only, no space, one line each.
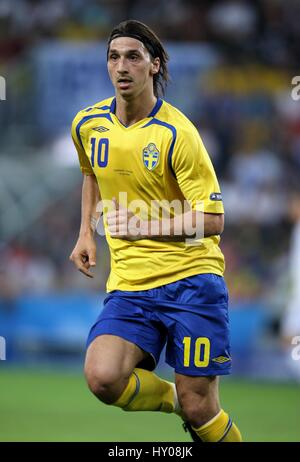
(245,114)
(268,29)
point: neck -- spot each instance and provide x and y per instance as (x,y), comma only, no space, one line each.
(130,111)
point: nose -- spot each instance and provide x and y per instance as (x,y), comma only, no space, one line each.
(121,66)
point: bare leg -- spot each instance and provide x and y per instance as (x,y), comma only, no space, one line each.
(198,398)
(110,361)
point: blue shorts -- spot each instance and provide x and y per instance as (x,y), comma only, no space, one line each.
(190,316)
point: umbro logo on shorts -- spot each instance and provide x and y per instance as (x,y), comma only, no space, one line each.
(221,359)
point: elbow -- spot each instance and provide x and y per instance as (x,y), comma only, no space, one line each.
(213,225)
(219,224)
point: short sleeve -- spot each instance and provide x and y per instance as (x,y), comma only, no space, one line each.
(195,173)
(84,162)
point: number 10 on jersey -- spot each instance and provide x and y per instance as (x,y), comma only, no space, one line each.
(101,147)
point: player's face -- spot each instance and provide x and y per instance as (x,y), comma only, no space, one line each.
(130,66)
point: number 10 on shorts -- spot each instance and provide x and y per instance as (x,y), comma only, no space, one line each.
(202,352)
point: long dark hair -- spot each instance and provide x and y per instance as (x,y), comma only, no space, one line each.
(140,31)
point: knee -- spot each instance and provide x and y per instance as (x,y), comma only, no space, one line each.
(105,383)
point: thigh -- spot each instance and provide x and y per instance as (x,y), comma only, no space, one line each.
(112,356)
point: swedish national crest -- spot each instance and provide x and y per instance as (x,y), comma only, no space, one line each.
(150,156)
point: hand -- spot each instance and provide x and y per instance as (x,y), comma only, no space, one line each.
(84,255)
(123,224)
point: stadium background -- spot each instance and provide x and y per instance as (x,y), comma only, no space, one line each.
(232,64)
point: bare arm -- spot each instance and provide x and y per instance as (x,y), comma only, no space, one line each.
(188,225)
(89,200)
(121,225)
(213,224)
(84,253)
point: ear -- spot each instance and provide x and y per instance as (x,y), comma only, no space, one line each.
(155,65)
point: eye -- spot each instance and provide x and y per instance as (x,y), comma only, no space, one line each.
(113,57)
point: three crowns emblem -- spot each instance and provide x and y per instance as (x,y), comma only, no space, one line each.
(150,156)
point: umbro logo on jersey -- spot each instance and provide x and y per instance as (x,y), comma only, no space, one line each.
(101,129)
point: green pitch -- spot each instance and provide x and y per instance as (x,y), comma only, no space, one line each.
(47,406)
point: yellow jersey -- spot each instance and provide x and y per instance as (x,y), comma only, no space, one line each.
(159,158)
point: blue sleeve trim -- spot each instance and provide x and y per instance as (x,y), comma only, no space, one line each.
(85,119)
(174,135)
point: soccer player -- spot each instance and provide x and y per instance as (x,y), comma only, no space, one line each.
(161,289)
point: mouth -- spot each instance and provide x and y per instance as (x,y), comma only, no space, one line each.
(124,82)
